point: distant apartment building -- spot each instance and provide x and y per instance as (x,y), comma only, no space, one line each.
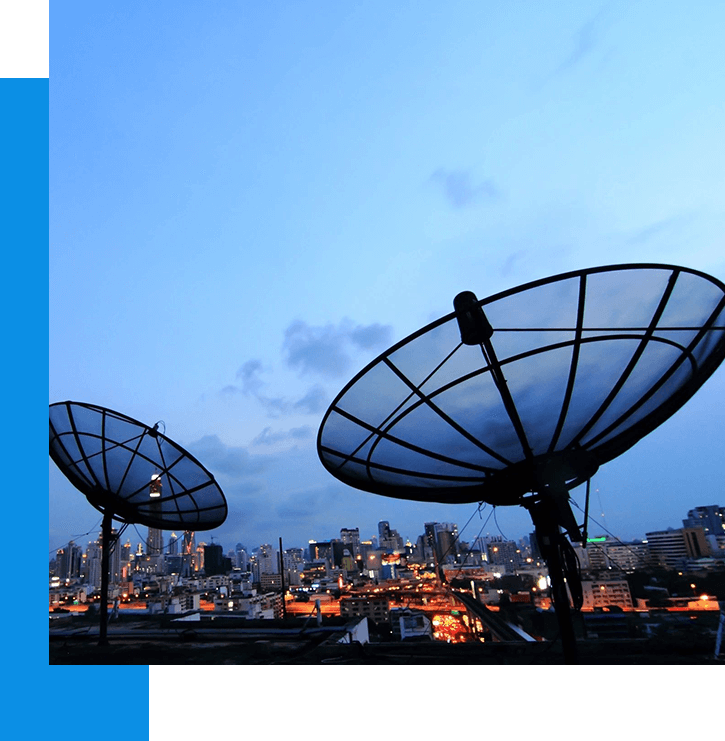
(606,593)
(314,573)
(501,552)
(712,521)
(293,562)
(610,554)
(710,518)
(270,582)
(674,548)
(176,604)
(252,607)
(264,561)
(374,608)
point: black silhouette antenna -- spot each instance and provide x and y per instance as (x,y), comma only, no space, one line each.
(518,398)
(131,473)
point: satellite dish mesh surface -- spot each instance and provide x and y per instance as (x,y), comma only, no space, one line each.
(575,369)
(133,471)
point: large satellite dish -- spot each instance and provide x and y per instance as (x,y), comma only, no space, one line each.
(520,397)
(131,473)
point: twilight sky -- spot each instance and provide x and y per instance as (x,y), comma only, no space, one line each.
(251,201)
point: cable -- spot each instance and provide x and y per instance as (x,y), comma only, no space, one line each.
(458,535)
(495,519)
(81,535)
(455,576)
(622,543)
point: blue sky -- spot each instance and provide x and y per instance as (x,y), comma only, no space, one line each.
(249,202)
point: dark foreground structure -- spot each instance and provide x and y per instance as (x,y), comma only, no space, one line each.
(144,642)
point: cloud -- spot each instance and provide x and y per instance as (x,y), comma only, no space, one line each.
(460,190)
(268,437)
(248,374)
(314,401)
(660,228)
(585,39)
(325,350)
(222,459)
(372,336)
(511,262)
(275,406)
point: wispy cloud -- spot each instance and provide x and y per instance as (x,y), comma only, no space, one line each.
(313,402)
(460,190)
(589,38)
(660,228)
(326,350)
(270,437)
(583,42)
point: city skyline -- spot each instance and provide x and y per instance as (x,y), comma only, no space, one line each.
(248,205)
(170,544)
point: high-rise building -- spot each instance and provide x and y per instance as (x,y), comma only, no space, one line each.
(710,518)
(155,540)
(126,561)
(389,539)
(68,561)
(447,534)
(199,557)
(214,561)
(115,572)
(351,538)
(503,552)
(188,553)
(267,559)
(440,542)
(293,562)
(241,557)
(93,564)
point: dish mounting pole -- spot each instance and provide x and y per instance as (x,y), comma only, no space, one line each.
(106,546)
(549,508)
(563,567)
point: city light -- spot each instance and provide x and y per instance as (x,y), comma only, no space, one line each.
(155,486)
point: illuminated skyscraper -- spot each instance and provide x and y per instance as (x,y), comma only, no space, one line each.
(155,541)
(188,553)
(351,538)
(389,539)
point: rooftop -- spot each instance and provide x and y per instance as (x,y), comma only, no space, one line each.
(228,641)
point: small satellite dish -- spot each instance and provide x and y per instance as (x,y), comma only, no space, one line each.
(131,473)
(520,397)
